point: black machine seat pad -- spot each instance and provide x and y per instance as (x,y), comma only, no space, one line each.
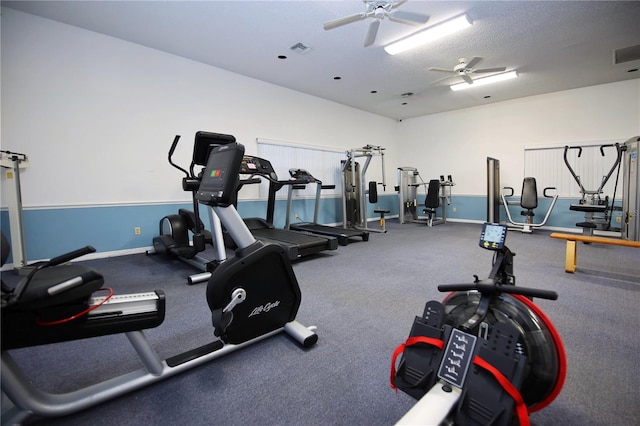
(432,201)
(36,295)
(529,197)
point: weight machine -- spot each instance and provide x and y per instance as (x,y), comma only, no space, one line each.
(437,195)
(354,195)
(529,202)
(596,208)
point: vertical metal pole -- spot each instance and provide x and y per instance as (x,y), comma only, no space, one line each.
(11,162)
(630,194)
(316,211)
(287,221)
(384,174)
(216,233)
(363,192)
(493,190)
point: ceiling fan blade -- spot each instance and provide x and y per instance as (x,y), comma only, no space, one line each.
(473,62)
(485,70)
(466,78)
(398,3)
(440,69)
(372,33)
(411,18)
(344,21)
(440,80)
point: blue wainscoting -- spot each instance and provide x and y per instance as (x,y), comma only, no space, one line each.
(52,231)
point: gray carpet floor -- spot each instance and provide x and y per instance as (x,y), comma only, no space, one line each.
(363,298)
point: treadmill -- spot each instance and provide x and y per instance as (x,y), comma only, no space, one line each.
(296,244)
(301,178)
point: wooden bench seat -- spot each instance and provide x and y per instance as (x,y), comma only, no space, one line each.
(571,257)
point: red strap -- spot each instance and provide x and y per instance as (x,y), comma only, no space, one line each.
(410,342)
(521,408)
(79,314)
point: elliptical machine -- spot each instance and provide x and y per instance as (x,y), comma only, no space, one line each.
(252,296)
(485,355)
(183,235)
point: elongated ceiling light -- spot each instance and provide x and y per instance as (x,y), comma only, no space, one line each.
(431,33)
(485,80)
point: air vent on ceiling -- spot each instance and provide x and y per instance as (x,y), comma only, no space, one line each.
(626,54)
(300,48)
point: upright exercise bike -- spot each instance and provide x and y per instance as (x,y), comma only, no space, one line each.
(486,355)
(252,296)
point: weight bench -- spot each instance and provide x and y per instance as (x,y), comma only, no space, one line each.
(571,257)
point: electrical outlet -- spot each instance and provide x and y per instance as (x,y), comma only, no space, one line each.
(137,230)
(453,209)
(296,216)
(618,219)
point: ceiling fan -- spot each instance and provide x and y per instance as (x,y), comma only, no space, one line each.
(378,10)
(464,69)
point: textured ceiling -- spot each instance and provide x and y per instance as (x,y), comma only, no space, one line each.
(554,45)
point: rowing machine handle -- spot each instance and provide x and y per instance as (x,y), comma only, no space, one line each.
(494,288)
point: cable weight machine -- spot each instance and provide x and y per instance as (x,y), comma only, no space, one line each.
(596,208)
(354,195)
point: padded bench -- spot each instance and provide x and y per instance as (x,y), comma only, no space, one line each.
(571,257)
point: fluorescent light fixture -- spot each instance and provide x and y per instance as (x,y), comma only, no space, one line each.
(431,33)
(485,80)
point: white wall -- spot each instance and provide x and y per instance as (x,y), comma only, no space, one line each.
(458,142)
(96,115)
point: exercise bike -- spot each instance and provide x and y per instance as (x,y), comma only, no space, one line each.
(486,355)
(252,296)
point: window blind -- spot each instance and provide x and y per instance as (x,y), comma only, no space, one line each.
(547,165)
(322,162)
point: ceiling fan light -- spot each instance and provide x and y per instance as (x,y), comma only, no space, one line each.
(485,80)
(429,34)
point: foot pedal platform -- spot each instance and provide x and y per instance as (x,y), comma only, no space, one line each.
(485,400)
(420,360)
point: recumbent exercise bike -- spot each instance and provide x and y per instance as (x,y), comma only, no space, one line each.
(486,355)
(252,296)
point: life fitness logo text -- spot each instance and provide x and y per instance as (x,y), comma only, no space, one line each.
(264,308)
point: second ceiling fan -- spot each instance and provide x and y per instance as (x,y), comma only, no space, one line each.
(463,70)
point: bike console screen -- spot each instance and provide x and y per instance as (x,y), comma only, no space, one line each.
(493,236)
(219,178)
